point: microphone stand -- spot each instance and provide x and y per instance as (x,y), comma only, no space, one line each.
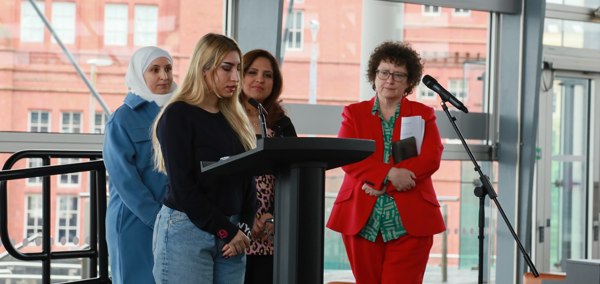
(262,120)
(261,116)
(481,191)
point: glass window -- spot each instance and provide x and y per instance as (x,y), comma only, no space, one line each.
(71,122)
(68,218)
(457,12)
(63,21)
(42,77)
(72,179)
(32,27)
(39,121)
(115,24)
(580,3)
(454,51)
(99,122)
(296,32)
(458,88)
(34,163)
(33,212)
(426,93)
(572,34)
(146,25)
(46,95)
(430,10)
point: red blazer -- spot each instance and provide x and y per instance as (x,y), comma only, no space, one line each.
(418,207)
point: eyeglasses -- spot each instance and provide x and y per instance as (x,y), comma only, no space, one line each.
(384,75)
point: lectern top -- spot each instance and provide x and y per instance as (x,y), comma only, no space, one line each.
(271,154)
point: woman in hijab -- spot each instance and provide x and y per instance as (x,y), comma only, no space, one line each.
(136,191)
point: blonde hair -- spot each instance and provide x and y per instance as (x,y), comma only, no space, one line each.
(208,54)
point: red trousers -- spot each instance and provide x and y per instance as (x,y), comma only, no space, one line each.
(402,260)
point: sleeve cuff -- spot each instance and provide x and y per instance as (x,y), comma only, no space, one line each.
(385,180)
(152,221)
(228,233)
(245,229)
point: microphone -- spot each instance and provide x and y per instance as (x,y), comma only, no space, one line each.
(261,116)
(445,95)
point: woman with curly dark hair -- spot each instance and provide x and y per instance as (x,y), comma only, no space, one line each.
(263,82)
(388,212)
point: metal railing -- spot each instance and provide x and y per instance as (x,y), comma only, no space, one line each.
(98,251)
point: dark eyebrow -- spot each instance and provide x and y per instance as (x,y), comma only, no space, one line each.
(254,68)
(155,65)
(228,63)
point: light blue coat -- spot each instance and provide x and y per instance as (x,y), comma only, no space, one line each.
(136,190)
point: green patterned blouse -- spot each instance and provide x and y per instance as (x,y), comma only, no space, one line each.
(385,216)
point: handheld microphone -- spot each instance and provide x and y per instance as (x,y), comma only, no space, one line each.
(261,116)
(445,95)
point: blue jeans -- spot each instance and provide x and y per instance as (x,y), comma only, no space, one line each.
(185,254)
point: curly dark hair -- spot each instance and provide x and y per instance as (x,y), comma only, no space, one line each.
(272,102)
(400,54)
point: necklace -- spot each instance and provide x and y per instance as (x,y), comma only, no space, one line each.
(248,112)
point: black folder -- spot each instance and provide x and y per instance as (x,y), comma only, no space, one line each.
(404,149)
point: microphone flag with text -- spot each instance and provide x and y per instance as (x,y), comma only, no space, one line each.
(446,96)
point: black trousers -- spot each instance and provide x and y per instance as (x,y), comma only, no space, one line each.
(259,269)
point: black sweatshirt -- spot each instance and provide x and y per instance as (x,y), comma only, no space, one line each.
(188,135)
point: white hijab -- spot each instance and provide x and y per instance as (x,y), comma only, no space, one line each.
(134,79)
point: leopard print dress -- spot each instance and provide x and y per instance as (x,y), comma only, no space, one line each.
(264,190)
(265,194)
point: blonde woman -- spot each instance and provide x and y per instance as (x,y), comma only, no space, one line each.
(203,228)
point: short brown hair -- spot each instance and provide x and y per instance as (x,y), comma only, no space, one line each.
(271,103)
(400,54)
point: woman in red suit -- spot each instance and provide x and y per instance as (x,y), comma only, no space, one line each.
(388,213)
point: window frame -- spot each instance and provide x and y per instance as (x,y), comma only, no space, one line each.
(39,124)
(104,119)
(461,86)
(70,27)
(37,24)
(108,19)
(66,161)
(422,89)
(137,40)
(27,212)
(295,30)
(431,13)
(71,113)
(461,13)
(67,227)
(28,181)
